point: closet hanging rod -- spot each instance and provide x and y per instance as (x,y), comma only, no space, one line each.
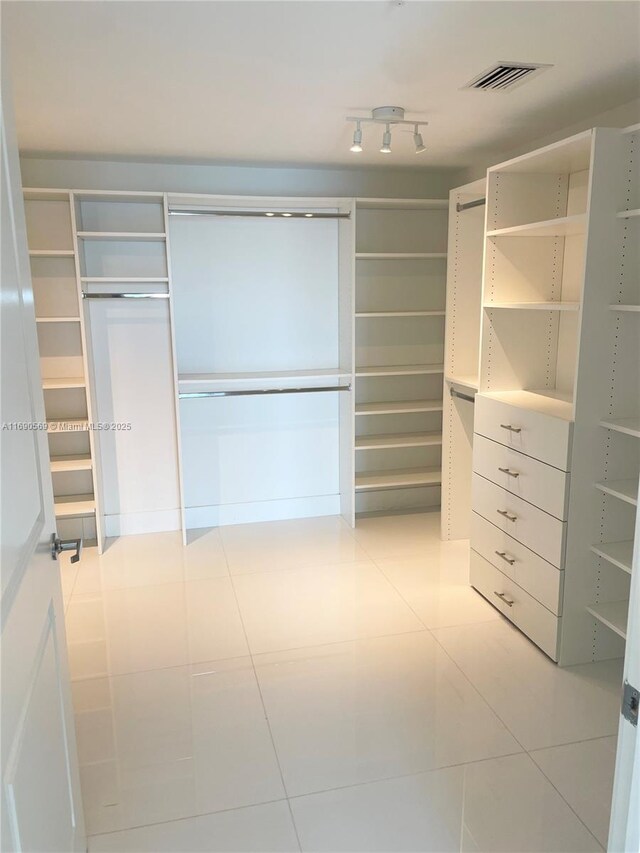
(191,395)
(286,214)
(468,204)
(86,295)
(466,397)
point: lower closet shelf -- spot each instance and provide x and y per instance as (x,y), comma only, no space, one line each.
(412,439)
(403,478)
(619,554)
(613,614)
(400,407)
(74,505)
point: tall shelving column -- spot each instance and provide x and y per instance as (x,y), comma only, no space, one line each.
(123,280)
(461,353)
(600,554)
(63,363)
(401,250)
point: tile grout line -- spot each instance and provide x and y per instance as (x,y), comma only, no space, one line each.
(262,702)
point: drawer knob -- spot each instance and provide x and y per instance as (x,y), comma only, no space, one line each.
(509,472)
(507,559)
(511,428)
(507,515)
(508,601)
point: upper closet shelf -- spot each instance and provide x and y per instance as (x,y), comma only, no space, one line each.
(624,490)
(400,314)
(401,407)
(471,383)
(100,279)
(562,226)
(51,253)
(629,426)
(635,308)
(400,370)
(124,236)
(225,381)
(629,214)
(546,401)
(394,440)
(534,306)
(620,554)
(399,256)
(63,382)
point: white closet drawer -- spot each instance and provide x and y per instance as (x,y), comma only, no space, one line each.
(539,578)
(538,623)
(542,436)
(531,526)
(534,481)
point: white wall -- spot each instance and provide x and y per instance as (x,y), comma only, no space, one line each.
(177,176)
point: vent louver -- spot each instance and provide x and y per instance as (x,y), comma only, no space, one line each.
(505,75)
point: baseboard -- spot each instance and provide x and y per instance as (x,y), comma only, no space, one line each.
(129,523)
(217,516)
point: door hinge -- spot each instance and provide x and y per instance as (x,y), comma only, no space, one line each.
(630,703)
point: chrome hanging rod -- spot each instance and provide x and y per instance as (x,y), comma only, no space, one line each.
(469,204)
(466,397)
(194,395)
(86,295)
(276,214)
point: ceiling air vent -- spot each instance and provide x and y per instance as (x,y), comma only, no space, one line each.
(506,75)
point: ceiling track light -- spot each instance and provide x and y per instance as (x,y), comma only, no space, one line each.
(387,116)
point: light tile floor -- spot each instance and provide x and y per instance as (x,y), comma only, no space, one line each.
(302,686)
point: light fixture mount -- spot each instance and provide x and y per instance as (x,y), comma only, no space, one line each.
(387,116)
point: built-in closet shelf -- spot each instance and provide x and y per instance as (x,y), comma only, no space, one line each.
(74,505)
(123,236)
(399,256)
(400,370)
(405,478)
(534,306)
(60,425)
(562,226)
(545,401)
(414,439)
(197,381)
(472,383)
(635,308)
(403,407)
(629,426)
(57,319)
(51,253)
(63,464)
(402,203)
(629,214)
(619,554)
(392,314)
(613,614)
(625,490)
(61,382)
(121,280)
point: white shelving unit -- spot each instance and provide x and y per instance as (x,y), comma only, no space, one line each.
(400,264)
(63,362)
(559,384)
(462,353)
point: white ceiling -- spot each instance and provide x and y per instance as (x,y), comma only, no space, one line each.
(273,81)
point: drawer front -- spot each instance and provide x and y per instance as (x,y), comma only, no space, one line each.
(538,435)
(539,531)
(534,620)
(537,577)
(533,481)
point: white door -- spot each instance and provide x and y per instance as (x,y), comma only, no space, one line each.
(624,829)
(41,805)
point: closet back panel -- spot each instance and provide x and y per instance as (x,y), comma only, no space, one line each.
(54,287)
(254,294)
(401,231)
(243,450)
(48,225)
(133,383)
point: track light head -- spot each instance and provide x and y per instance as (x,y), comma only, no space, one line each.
(418,141)
(357,140)
(386,141)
